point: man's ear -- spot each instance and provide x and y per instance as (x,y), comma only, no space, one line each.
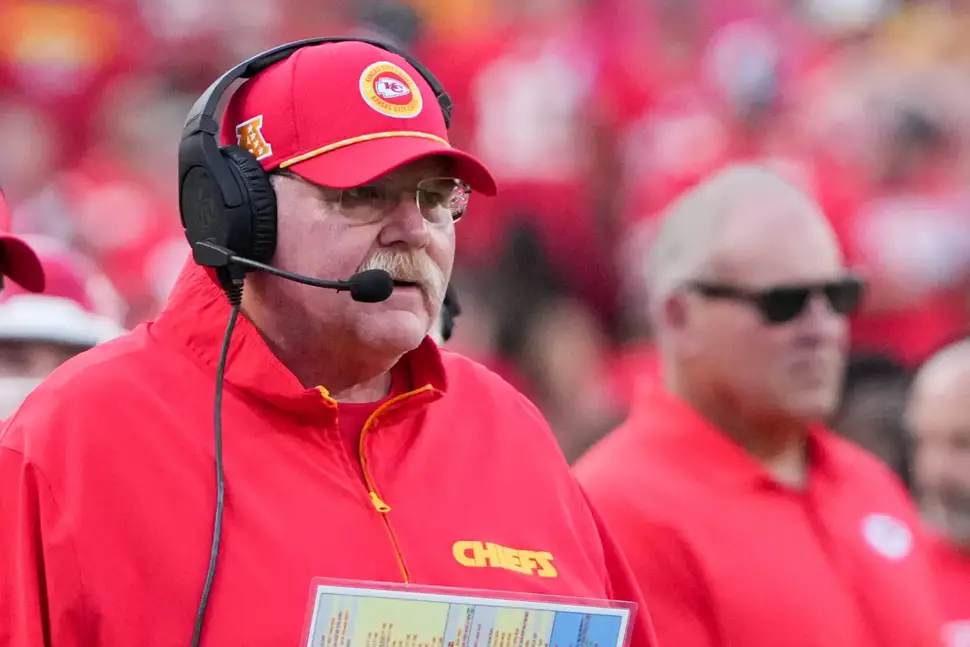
(673,311)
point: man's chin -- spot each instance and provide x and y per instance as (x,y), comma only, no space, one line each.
(814,406)
(393,331)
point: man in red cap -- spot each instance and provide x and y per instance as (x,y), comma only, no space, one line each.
(18,260)
(746,521)
(354,448)
(77,310)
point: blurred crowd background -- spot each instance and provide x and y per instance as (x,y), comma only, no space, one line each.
(592,114)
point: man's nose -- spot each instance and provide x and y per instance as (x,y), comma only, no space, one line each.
(406,225)
(822,316)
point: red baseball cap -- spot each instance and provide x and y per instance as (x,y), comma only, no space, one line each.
(342,115)
(18,260)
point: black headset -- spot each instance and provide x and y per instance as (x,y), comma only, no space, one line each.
(225,196)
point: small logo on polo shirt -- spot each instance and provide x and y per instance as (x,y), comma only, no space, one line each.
(249,135)
(390,90)
(479,554)
(888,536)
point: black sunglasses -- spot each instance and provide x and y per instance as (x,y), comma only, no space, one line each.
(785,303)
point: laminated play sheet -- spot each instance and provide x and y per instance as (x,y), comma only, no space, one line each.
(368,614)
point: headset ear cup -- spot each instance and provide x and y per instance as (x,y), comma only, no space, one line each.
(202,208)
(262,200)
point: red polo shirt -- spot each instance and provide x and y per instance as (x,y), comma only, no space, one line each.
(951,568)
(727,556)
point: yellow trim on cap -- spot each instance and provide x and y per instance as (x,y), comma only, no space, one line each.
(359,139)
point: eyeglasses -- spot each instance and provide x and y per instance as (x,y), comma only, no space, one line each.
(781,304)
(439,199)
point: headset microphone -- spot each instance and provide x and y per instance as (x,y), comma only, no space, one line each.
(369,286)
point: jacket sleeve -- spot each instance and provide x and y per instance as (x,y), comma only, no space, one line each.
(673,589)
(40,587)
(622,586)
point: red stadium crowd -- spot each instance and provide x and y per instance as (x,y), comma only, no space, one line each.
(593,116)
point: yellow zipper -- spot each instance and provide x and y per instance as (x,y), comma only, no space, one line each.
(378,502)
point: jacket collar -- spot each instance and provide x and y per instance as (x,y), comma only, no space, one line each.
(194,321)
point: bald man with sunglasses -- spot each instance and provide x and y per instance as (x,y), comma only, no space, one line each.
(745,520)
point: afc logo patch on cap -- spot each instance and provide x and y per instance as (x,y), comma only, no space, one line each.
(390,90)
(249,135)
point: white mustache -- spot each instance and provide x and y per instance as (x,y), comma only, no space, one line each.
(411,268)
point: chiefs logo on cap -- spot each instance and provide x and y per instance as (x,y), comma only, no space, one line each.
(249,135)
(390,91)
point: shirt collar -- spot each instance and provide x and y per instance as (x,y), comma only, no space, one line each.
(691,440)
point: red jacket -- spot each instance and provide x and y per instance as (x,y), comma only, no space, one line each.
(725,556)
(107,483)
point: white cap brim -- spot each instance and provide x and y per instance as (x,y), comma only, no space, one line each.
(57,320)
